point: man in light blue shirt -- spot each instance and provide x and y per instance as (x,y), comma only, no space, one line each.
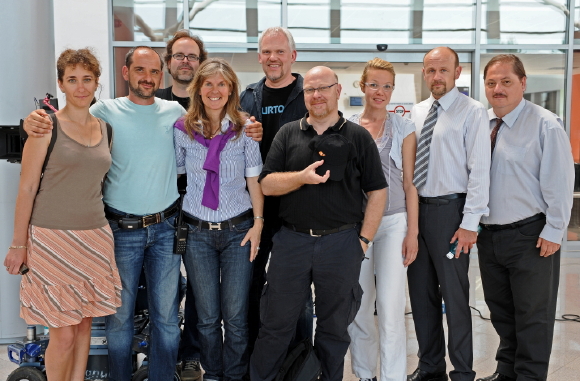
(531,193)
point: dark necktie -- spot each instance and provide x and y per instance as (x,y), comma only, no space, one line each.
(422,161)
(494,132)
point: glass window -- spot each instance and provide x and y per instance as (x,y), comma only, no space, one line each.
(577,23)
(146,20)
(221,21)
(524,22)
(309,22)
(387,21)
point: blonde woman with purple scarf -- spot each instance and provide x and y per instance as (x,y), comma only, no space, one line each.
(224,218)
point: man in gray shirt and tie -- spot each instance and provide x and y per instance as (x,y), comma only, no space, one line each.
(532,184)
(452,178)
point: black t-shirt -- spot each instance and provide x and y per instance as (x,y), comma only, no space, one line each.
(273,104)
(334,203)
(168,95)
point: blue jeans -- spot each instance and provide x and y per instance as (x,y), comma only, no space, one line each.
(220,271)
(151,248)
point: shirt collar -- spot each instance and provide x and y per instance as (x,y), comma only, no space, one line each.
(337,127)
(225,123)
(509,119)
(447,100)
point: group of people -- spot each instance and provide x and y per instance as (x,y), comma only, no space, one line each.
(348,209)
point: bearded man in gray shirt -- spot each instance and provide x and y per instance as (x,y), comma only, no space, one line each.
(530,201)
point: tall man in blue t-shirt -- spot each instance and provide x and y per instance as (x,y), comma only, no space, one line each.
(140,197)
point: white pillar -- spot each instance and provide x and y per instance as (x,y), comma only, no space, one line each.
(27,68)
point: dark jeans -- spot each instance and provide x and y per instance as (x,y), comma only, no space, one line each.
(305,322)
(219,271)
(298,260)
(151,248)
(520,289)
(432,276)
(189,345)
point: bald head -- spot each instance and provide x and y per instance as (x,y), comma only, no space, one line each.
(440,70)
(318,71)
(321,92)
(442,52)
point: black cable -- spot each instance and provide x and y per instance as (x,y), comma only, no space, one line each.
(566,317)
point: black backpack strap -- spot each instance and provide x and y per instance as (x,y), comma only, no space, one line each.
(52,142)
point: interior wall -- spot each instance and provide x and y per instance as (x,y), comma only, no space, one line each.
(78,24)
(26,28)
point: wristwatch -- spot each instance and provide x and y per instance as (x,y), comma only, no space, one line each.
(365,240)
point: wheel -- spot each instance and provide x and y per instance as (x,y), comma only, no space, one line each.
(26,373)
(141,375)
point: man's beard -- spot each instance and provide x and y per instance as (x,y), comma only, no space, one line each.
(185,78)
(141,93)
(440,92)
(322,113)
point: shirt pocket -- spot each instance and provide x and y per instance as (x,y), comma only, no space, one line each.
(511,159)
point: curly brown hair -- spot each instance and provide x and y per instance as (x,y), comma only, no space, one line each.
(184,33)
(85,57)
(196,111)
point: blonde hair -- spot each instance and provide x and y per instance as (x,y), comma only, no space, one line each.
(378,64)
(196,111)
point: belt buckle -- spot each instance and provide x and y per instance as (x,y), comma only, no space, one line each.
(216,226)
(314,235)
(157,219)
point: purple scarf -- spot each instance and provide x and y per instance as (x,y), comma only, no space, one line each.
(215,146)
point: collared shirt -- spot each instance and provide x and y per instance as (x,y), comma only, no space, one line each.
(460,153)
(142,179)
(334,203)
(239,159)
(532,170)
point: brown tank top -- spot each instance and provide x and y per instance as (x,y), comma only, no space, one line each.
(69,197)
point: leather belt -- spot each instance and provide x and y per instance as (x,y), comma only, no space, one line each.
(514,225)
(441,200)
(319,232)
(144,221)
(219,225)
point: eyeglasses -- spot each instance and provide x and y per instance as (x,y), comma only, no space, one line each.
(322,89)
(181,57)
(375,87)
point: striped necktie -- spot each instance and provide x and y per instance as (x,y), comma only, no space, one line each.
(422,161)
(494,133)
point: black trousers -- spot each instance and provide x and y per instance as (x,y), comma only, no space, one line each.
(433,276)
(332,263)
(304,325)
(520,289)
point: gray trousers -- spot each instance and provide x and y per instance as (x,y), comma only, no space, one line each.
(432,277)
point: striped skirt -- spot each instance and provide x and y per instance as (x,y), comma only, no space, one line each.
(72,275)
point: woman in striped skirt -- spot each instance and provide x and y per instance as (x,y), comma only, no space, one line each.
(225,219)
(60,229)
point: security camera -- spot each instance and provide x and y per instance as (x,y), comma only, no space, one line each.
(382,47)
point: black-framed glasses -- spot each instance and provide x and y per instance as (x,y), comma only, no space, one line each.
(321,89)
(181,57)
(374,87)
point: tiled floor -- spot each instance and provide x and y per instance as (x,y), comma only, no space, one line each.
(565,360)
